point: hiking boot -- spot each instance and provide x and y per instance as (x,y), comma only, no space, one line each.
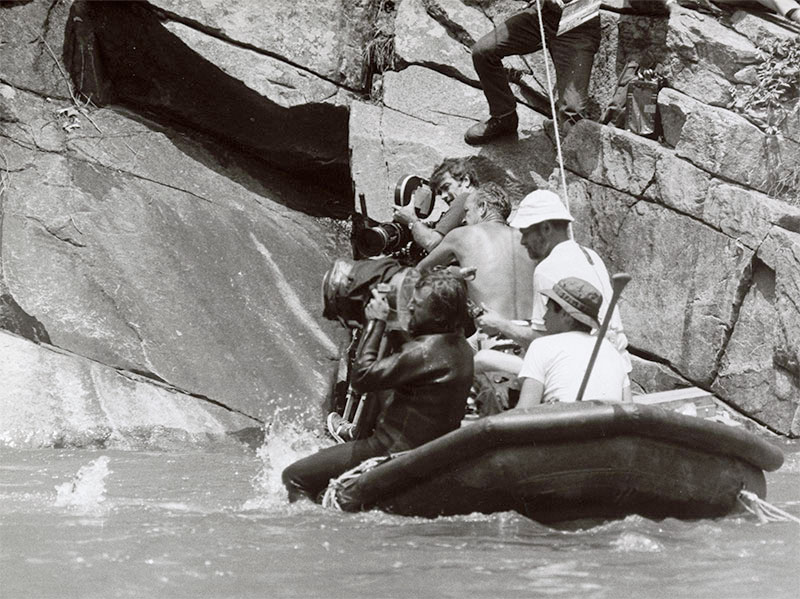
(494,128)
(340,429)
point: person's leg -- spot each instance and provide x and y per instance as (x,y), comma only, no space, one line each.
(573,55)
(309,476)
(519,34)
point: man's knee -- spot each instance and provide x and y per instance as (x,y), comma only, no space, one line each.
(485,50)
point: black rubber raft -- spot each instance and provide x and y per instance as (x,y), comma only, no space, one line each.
(568,462)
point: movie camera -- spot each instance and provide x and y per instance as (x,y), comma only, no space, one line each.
(373,238)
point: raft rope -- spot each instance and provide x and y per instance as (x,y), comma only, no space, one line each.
(330,499)
(763,510)
(553,108)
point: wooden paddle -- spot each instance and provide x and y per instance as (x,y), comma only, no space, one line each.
(618,282)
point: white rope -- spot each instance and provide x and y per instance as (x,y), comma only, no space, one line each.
(553,108)
(764,511)
(330,499)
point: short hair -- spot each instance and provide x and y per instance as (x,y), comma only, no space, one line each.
(494,198)
(448,299)
(458,168)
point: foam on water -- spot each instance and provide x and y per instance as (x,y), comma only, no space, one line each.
(285,442)
(87,490)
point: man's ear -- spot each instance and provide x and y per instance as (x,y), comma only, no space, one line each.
(467,180)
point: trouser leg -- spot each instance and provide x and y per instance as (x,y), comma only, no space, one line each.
(310,476)
(519,34)
(573,55)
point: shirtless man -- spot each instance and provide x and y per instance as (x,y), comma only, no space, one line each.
(503,280)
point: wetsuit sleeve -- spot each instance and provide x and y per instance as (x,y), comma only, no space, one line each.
(371,374)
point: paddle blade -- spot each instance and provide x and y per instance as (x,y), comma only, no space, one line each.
(618,282)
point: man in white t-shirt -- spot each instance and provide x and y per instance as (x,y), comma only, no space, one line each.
(555,364)
(544,222)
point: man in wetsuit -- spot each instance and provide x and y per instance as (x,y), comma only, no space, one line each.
(454,179)
(429,378)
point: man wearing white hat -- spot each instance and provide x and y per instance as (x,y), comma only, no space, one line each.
(544,222)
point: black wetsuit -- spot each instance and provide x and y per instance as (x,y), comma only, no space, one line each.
(430,378)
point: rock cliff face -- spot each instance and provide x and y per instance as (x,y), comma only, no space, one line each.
(172,234)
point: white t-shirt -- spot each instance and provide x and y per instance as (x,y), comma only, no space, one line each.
(559,362)
(568,259)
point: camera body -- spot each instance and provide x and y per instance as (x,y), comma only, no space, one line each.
(372,238)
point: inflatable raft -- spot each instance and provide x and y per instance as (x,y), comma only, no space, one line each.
(566,462)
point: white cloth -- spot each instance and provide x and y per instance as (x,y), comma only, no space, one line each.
(568,259)
(559,363)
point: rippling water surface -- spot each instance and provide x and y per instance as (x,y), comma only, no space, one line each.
(117,523)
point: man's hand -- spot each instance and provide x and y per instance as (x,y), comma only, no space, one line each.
(405,215)
(490,321)
(377,308)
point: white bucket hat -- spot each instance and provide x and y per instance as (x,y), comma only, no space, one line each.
(539,206)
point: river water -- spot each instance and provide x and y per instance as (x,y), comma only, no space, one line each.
(192,522)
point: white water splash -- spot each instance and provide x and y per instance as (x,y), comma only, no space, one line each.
(285,443)
(630,542)
(87,490)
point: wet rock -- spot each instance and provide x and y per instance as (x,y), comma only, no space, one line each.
(184,270)
(51,398)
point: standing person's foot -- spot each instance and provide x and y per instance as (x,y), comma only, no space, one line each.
(340,429)
(495,127)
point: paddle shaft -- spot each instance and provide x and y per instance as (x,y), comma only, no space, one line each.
(618,282)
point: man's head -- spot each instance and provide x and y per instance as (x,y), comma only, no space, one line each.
(572,305)
(453,177)
(544,222)
(438,304)
(487,202)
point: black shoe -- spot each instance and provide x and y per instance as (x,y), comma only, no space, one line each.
(340,429)
(494,128)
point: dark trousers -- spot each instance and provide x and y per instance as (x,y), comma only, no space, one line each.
(310,476)
(572,54)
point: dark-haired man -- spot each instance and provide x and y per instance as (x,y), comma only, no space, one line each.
(429,378)
(454,179)
(554,365)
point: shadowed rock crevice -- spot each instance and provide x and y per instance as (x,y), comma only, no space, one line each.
(121,53)
(14,319)
(767,278)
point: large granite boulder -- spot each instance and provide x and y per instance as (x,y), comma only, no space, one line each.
(50,397)
(139,249)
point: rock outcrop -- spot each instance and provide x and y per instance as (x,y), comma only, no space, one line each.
(175,230)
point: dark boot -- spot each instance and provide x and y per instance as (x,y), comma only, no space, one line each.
(494,128)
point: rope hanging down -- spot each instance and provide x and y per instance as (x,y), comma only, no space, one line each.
(764,511)
(552,106)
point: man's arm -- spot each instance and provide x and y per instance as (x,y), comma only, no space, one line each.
(493,324)
(530,395)
(444,253)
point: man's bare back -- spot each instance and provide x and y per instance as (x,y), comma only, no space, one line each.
(504,276)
